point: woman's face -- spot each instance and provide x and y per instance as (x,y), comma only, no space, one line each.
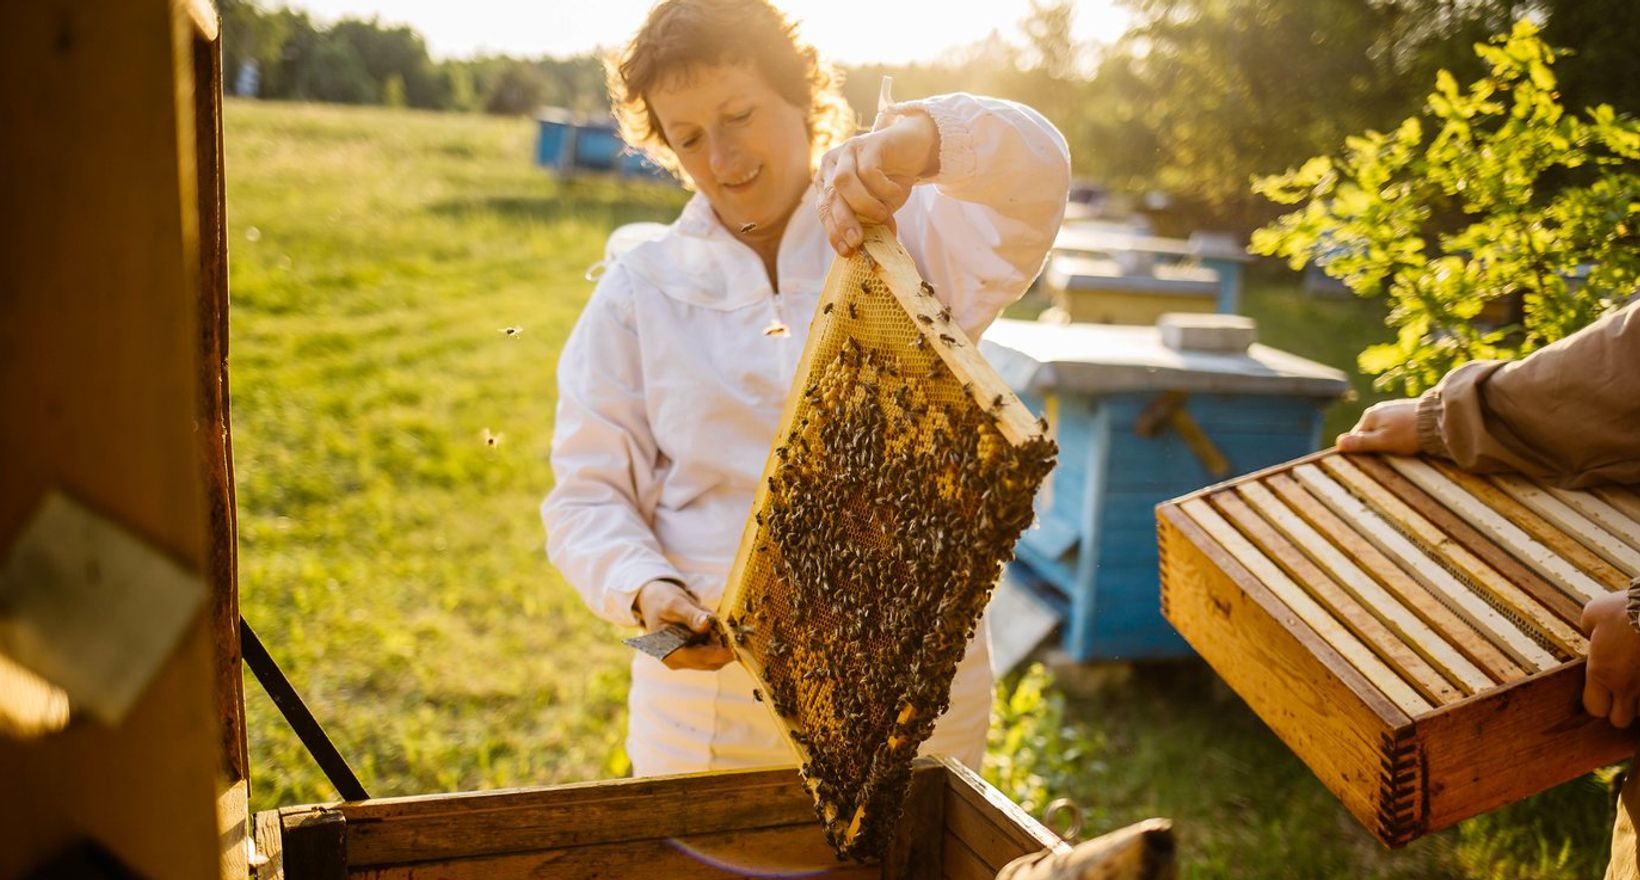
(745,147)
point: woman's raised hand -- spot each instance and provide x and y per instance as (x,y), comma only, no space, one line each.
(868,177)
(662,602)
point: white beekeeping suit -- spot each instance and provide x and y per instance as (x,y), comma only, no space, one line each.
(670,393)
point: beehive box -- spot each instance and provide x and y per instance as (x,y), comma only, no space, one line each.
(1408,629)
(902,473)
(1099,385)
(749,823)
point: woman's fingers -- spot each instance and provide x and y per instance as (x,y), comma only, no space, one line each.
(856,189)
(1596,698)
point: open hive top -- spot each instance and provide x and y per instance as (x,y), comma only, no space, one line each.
(902,473)
(1444,604)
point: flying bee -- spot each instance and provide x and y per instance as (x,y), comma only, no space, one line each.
(491,439)
(511,332)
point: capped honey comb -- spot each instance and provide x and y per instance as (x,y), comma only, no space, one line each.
(903,472)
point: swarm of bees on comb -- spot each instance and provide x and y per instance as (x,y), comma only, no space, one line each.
(902,475)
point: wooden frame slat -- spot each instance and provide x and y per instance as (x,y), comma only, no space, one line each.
(1456,528)
(1387,644)
(1567,562)
(1602,512)
(1471,642)
(1503,632)
(1307,609)
(1418,635)
(1564,516)
(1437,544)
(1621,499)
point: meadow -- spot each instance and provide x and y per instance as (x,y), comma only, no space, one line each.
(391,554)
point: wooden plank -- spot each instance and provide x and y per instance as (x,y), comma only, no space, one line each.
(1567,518)
(1561,559)
(1013,832)
(1413,594)
(1458,529)
(1420,636)
(786,851)
(1386,643)
(1600,511)
(959,862)
(432,827)
(914,849)
(1502,631)
(1319,705)
(1307,609)
(99,372)
(1489,751)
(269,861)
(1621,499)
(1438,545)
(314,843)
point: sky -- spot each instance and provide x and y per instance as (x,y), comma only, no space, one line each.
(847,31)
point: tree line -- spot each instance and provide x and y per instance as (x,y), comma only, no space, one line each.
(1197,99)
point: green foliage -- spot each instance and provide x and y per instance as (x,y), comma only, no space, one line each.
(1560,834)
(1493,197)
(1032,754)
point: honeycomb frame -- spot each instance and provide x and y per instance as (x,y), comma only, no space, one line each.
(902,473)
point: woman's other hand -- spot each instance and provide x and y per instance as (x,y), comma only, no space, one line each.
(868,177)
(1391,426)
(1611,689)
(663,602)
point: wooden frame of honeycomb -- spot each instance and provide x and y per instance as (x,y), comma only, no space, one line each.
(902,473)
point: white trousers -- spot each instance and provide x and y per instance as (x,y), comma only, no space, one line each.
(686,721)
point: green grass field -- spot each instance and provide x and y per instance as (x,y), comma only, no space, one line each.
(392,560)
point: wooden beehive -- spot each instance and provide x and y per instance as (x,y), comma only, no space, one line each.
(902,473)
(748,823)
(1408,629)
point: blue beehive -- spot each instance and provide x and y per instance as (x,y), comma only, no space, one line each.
(1141,415)
(569,145)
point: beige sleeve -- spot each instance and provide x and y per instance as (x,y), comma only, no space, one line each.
(1569,412)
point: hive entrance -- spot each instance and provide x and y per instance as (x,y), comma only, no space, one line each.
(902,474)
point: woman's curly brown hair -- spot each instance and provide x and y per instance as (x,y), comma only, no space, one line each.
(680,35)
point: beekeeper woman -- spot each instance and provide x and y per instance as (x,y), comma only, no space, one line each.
(672,382)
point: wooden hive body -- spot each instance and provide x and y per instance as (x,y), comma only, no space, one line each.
(902,473)
(1409,630)
(747,823)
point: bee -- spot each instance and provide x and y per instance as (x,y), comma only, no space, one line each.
(746,228)
(949,340)
(511,332)
(491,439)
(827,309)
(997,402)
(925,319)
(945,314)
(1043,424)
(927,289)
(852,313)
(757,695)
(777,328)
